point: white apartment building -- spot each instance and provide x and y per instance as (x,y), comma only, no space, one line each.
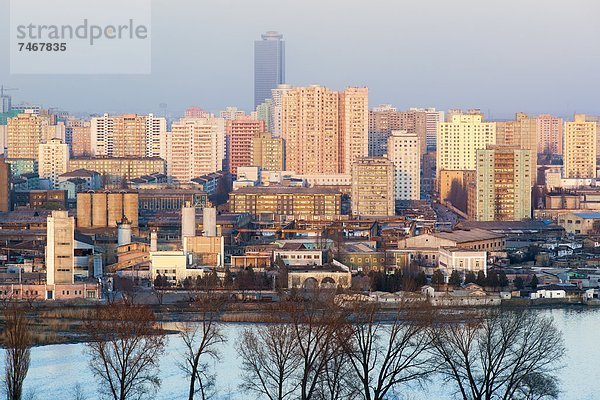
(195,147)
(53,160)
(128,135)
(405,153)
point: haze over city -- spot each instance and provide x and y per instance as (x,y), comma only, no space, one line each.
(533,56)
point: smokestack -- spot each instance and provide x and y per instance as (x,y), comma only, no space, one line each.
(124,232)
(209,221)
(153,240)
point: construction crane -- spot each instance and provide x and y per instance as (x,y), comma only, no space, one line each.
(3,89)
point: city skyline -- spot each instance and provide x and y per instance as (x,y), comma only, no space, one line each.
(404,58)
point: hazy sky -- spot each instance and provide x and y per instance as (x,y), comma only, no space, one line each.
(500,56)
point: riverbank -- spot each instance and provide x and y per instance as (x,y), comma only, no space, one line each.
(60,323)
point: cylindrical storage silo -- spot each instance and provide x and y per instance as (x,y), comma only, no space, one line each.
(124,233)
(115,208)
(130,208)
(99,210)
(209,221)
(84,210)
(188,220)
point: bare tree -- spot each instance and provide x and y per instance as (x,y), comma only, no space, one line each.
(538,387)
(387,354)
(270,360)
(315,326)
(17,340)
(201,339)
(496,355)
(125,347)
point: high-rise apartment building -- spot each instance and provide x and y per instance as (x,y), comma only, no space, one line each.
(579,148)
(595,119)
(196,112)
(432,119)
(276,96)
(523,133)
(24,135)
(268,152)
(4,185)
(53,160)
(324,131)
(60,261)
(385,119)
(263,113)
(354,126)
(373,191)
(378,144)
(128,135)
(459,139)
(549,134)
(81,144)
(240,133)
(404,152)
(503,184)
(269,65)
(232,113)
(195,147)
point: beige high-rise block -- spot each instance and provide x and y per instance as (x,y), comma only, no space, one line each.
(53,160)
(550,134)
(128,135)
(324,130)
(459,139)
(404,151)
(60,262)
(503,191)
(523,133)
(373,187)
(580,148)
(354,117)
(25,135)
(268,152)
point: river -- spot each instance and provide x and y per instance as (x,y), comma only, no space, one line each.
(56,370)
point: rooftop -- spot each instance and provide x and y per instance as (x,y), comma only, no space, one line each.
(588,215)
(471,235)
(285,190)
(79,173)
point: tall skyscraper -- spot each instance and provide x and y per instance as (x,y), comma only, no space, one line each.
(459,139)
(269,65)
(503,184)
(405,154)
(324,131)
(240,132)
(195,147)
(550,134)
(373,187)
(53,160)
(128,135)
(60,262)
(580,148)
